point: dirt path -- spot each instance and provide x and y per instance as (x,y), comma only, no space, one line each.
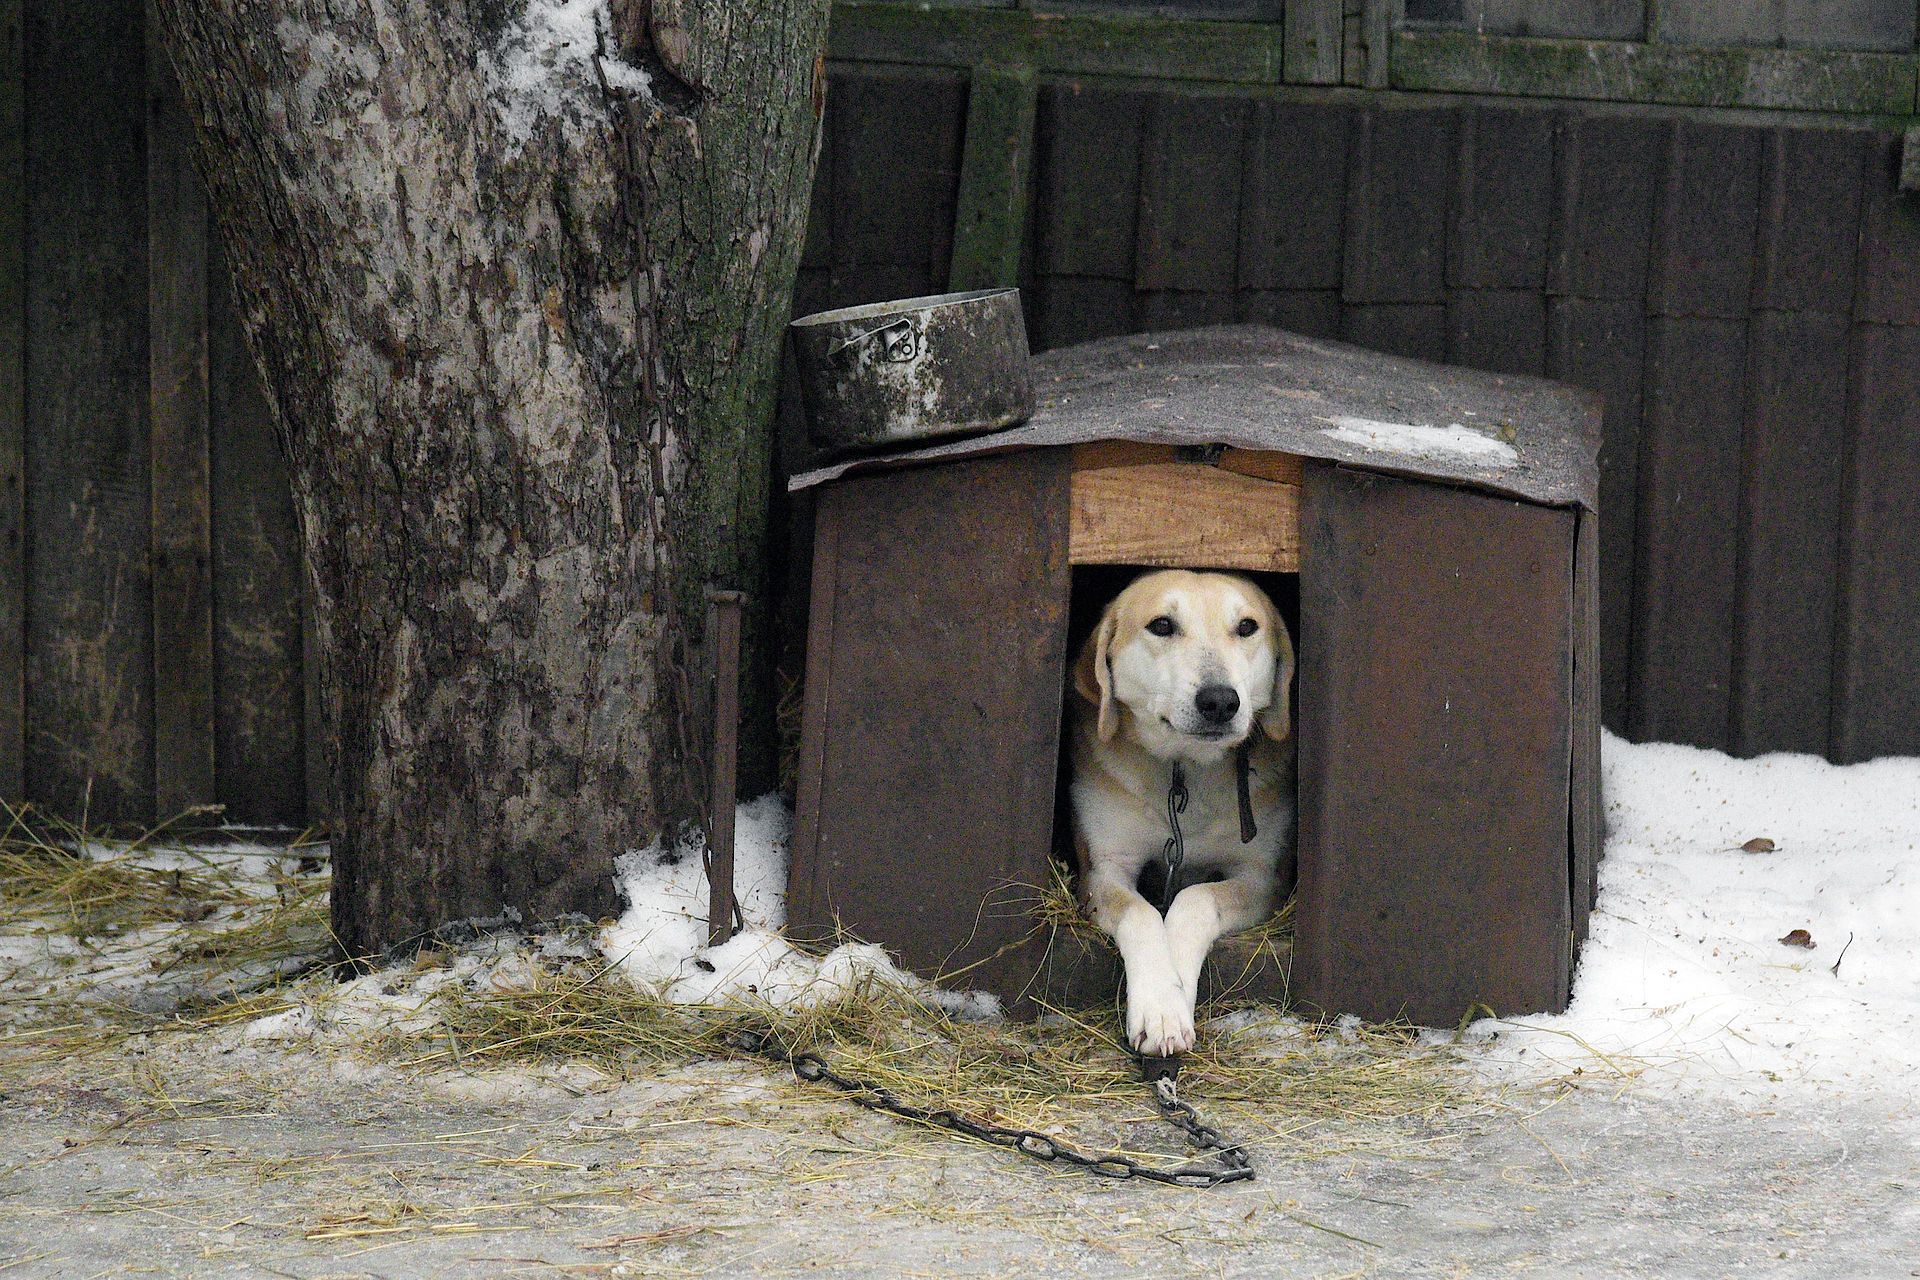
(184,1160)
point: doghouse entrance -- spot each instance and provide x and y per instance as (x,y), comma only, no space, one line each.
(1254,963)
(1136,508)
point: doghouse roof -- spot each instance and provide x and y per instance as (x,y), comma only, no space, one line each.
(1253,387)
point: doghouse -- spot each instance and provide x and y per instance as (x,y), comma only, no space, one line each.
(1441,527)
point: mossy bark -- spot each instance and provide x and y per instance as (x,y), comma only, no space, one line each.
(515,284)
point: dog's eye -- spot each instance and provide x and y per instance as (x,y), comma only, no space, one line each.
(1162,626)
(1247,627)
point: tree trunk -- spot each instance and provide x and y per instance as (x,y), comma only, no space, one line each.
(515,272)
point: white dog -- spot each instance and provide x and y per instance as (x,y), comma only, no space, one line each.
(1185,677)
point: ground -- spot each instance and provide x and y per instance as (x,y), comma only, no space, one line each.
(1720,1099)
(177,1158)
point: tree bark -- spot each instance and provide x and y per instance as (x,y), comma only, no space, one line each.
(515,272)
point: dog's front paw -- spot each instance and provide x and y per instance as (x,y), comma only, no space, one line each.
(1160,1021)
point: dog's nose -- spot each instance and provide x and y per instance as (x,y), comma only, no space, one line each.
(1217,703)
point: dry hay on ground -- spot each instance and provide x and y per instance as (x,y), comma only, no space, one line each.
(1264,1076)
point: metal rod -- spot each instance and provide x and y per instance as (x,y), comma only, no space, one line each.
(723,631)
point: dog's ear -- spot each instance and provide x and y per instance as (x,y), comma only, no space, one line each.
(1093,678)
(1277,716)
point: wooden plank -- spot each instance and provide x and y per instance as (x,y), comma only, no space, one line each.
(1793,443)
(1579,19)
(13,403)
(1183,309)
(259,713)
(1618,71)
(1889,241)
(990,220)
(1499,330)
(1502,198)
(1088,162)
(181,505)
(1874,25)
(1848,24)
(1313,312)
(1261,464)
(1293,196)
(1705,23)
(1402,329)
(1376,31)
(1312,53)
(1587,817)
(896,174)
(1437,655)
(1702,256)
(1190,194)
(1398,183)
(1060,43)
(1070,309)
(1809,219)
(900,786)
(1876,695)
(1689,500)
(89,605)
(1599,344)
(1226,521)
(1603,207)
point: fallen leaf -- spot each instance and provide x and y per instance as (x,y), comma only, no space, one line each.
(1799,938)
(1759,844)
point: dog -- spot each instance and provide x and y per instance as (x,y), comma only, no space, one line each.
(1189,670)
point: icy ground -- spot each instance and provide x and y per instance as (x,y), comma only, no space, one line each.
(1717,1102)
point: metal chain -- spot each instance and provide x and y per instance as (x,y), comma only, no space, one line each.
(1230,1163)
(1175,851)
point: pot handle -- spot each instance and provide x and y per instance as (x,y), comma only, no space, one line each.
(900,341)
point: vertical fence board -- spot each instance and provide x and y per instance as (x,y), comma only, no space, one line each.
(1609,170)
(1687,514)
(1087,160)
(1702,263)
(1415,329)
(1500,330)
(1312,33)
(1889,288)
(177,417)
(89,634)
(1293,198)
(1876,697)
(1789,531)
(13,405)
(1187,259)
(1599,343)
(1809,219)
(1396,232)
(897,170)
(1502,198)
(991,219)
(259,702)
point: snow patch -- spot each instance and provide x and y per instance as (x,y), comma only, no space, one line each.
(660,942)
(544,65)
(1453,441)
(1684,980)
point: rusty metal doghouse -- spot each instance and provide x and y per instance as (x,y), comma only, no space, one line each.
(1442,524)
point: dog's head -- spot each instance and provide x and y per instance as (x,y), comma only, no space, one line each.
(1189,661)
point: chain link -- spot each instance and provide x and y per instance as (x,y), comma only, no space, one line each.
(1229,1162)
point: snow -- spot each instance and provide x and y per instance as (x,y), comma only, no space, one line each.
(545,61)
(660,941)
(1685,984)
(1455,442)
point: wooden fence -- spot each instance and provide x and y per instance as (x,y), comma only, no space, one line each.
(1742,286)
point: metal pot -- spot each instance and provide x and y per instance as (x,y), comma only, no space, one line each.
(914,369)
